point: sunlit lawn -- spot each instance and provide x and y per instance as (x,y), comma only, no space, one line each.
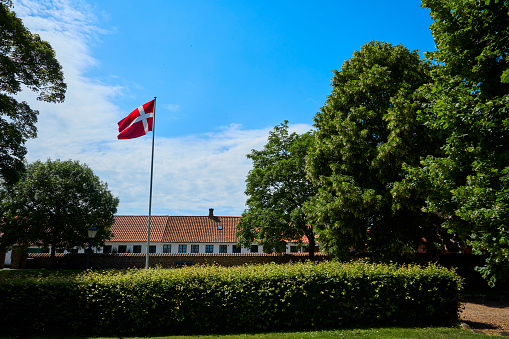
(405,333)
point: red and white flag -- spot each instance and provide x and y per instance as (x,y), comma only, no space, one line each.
(138,122)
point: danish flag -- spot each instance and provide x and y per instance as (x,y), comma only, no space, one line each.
(138,122)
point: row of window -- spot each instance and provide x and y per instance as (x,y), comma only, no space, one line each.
(167,249)
(181,249)
(123,249)
(196,248)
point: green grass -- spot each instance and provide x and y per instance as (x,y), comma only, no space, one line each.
(403,333)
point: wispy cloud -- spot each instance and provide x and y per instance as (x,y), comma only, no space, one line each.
(191,174)
(172,107)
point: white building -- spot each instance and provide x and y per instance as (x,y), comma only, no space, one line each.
(174,234)
(178,234)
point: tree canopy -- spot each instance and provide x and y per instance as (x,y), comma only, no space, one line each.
(26,60)
(467,185)
(277,189)
(53,204)
(366,132)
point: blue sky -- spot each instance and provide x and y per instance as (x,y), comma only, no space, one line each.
(224,73)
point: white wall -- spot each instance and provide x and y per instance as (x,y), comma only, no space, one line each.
(130,245)
(175,247)
(159,248)
(7,261)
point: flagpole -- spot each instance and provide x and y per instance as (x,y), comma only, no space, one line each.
(151,178)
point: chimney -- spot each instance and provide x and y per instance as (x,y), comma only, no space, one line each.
(211,213)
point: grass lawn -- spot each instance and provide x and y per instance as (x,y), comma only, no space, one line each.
(403,333)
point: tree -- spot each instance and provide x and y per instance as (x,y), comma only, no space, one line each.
(468,185)
(366,132)
(277,188)
(53,204)
(26,60)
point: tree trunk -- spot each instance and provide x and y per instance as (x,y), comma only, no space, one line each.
(311,241)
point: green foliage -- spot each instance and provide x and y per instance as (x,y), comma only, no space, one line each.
(277,189)
(26,60)
(505,76)
(471,40)
(218,299)
(366,133)
(40,304)
(467,185)
(54,204)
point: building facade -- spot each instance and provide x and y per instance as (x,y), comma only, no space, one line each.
(173,234)
(179,234)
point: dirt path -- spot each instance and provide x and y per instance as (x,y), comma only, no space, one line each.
(490,317)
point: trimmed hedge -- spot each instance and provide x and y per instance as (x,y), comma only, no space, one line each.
(218,299)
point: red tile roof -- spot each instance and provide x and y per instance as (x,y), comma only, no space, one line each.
(200,229)
(134,228)
(164,228)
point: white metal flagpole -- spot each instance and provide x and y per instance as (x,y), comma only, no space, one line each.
(151,177)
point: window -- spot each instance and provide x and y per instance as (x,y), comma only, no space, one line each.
(195,248)
(107,249)
(35,250)
(209,248)
(293,249)
(223,248)
(254,248)
(167,248)
(74,250)
(122,248)
(152,249)
(236,249)
(136,248)
(182,248)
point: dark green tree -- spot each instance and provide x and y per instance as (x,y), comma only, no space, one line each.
(468,185)
(26,60)
(366,132)
(53,204)
(277,188)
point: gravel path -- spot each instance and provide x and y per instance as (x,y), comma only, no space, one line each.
(490,317)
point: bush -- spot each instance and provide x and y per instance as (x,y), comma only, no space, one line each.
(217,299)
(38,304)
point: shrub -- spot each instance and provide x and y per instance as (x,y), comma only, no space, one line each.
(219,299)
(37,304)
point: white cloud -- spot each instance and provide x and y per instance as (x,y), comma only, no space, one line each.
(191,174)
(172,107)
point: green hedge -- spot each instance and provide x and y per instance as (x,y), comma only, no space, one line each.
(218,299)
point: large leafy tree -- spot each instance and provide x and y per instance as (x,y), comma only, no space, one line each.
(366,132)
(53,205)
(468,185)
(25,60)
(277,189)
